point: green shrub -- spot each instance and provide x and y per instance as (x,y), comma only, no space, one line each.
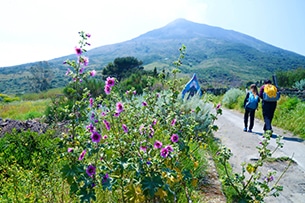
(230,98)
(300,85)
(6,98)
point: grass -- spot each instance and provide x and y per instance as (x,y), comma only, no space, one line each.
(24,110)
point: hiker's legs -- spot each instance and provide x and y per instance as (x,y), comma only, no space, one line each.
(246,115)
(252,114)
(268,113)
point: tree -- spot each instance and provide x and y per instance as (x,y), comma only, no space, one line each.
(123,67)
(41,77)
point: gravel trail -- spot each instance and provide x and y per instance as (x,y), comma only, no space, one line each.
(243,146)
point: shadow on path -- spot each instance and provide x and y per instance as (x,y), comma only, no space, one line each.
(274,136)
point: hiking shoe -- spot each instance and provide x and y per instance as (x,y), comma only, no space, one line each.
(250,130)
(245,129)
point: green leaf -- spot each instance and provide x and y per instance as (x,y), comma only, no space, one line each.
(150,184)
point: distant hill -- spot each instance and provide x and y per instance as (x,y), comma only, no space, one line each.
(219,57)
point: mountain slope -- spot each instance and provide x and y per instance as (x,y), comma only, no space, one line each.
(218,56)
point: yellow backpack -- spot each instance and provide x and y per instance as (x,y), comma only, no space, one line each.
(270,93)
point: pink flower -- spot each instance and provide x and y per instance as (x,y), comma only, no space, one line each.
(174,138)
(107,89)
(88,35)
(81,71)
(134,92)
(218,106)
(157,144)
(96,137)
(105,137)
(143,148)
(125,128)
(82,155)
(83,60)
(92,73)
(169,148)
(144,103)
(70,150)
(91,102)
(119,107)
(68,71)
(107,124)
(173,122)
(91,170)
(164,152)
(78,51)
(154,121)
(110,81)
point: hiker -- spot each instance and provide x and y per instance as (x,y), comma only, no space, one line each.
(250,104)
(268,103)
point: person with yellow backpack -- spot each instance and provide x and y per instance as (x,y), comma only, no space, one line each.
(269,95)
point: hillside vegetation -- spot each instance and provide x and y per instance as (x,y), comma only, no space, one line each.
(219,57)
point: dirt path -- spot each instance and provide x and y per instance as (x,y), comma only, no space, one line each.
(243,146)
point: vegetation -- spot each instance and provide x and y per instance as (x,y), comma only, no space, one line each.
(291,77)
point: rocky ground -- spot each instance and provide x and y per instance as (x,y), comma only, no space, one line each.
(7,125)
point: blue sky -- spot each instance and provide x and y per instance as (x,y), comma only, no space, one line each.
(36,30)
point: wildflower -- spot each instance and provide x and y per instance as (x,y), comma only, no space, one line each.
(83,60)
(269,179)
(88,44)
(125,128)
(92,73)
(78,51)
(91,100)
(92,115)
(218,106)
(169,148)
(154,122)
(148,163)
(141,129)
(173,122)
(105,178)
(110,81)
(81,71)
(91,170)
(116,114)
(174,138)
(88,35)
(164,152)
(82,155)
(107,124)
(157,144)
(107,89)
(103,113)
(134,92)
(151,132)
(119,107)
(65,62)
(68,71)
(143,148)
(70,150)
(144,103)
(96,137)
(105,137)
(90,127)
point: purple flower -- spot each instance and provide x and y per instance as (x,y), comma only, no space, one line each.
(105,137)
(141,129)
(88,35)
(81,71)
(151,132)
(143,148)
(144,103)
(116,114)
(154,121)
(103,113)
(169,148)
(91,170)
(110,81)
(90,127)
(78,51)
(218,106)
(68,71)
(119,107)
(70,150)
(125,128)
(88,44)
(157,144)
(164,152)
(96,137)
(148,162)
(105,178)
(92,73)
(83,60)
(134,92)
(82,155)
(107,124)
(107,89)
(174,138)
(91,100)
(92,115)
(173,122)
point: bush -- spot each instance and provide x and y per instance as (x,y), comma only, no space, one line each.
(300,85)
(230,99)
